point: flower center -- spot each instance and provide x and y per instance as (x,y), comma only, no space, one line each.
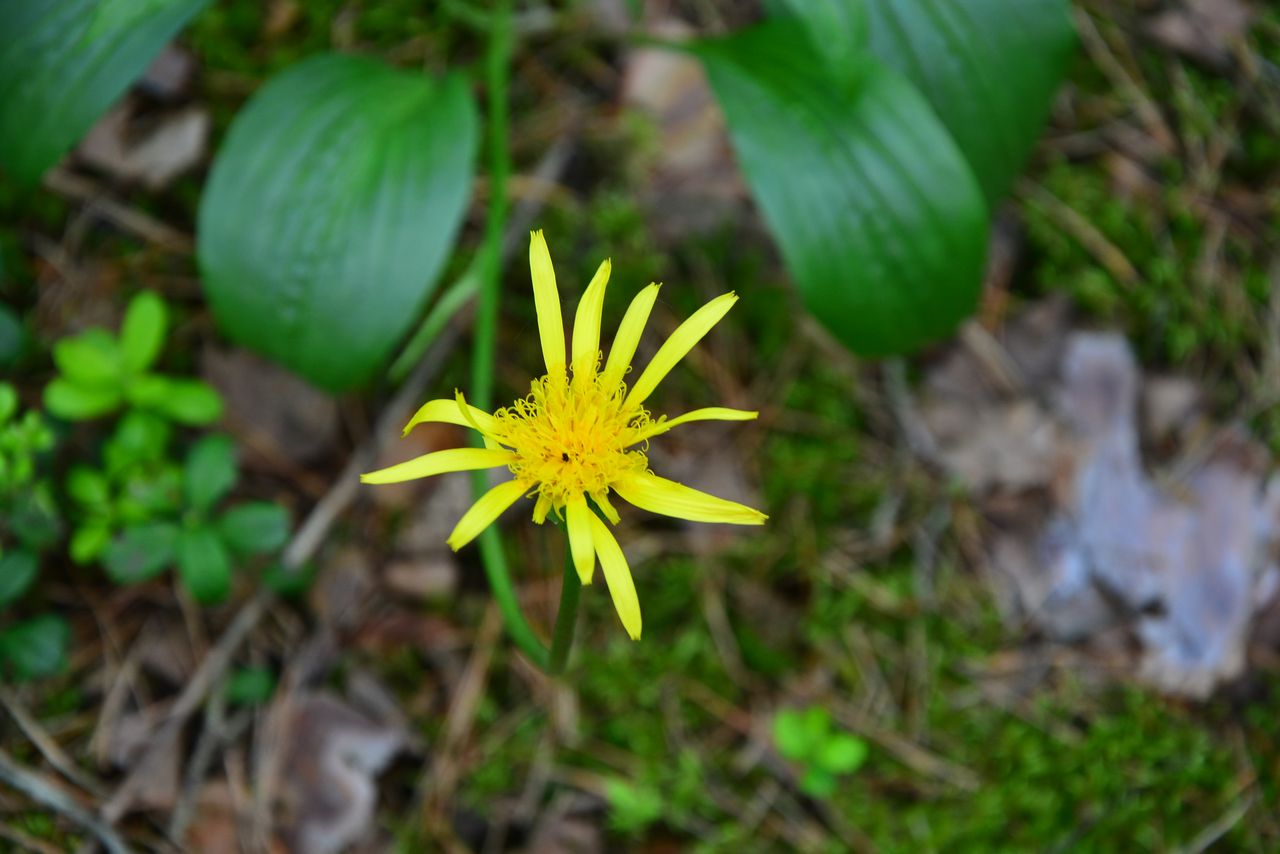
(571,436)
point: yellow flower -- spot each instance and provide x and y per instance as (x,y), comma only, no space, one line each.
(581,433)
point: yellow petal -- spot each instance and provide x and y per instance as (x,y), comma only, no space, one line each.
(710,413)
(541,508)
(483,512)
(546,300)
(451,412)
(618,575)
(602,501)
(681,342)
(628,337)
(586,323)
(469,412)
(578,517)
(659,495)
(439,462)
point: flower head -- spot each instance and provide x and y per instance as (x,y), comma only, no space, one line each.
(581,434)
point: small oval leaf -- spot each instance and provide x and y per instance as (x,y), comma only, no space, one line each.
(331,209)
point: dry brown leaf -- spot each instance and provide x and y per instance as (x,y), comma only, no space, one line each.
(171,144)
(1205,30)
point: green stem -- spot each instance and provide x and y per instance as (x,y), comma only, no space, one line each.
(566,618)
(497,74)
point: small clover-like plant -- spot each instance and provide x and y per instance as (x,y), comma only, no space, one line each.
(137,483)
(808,739)
(202,543)
(29,524)
(99,373)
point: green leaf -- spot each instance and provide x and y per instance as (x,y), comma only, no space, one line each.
(990,68)
(210,471)
(793,736)
(204,565)
(290,583)
(73,402)
(141,552)
(139,437)
(35,648)
(255,527)
(330,210)
(880,220)
(8,402)
(837,30)
(185,401)
(12,336)
(818,783)
(91,358)
(249,686)
(632,808)
(89,541)
(63,62)
(143,330)
(843,754)
(18,569)
(34,519)
(88,486)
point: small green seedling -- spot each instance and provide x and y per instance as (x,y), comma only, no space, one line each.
(29,524)
(199,542)
(808,739)
(633,807)
(138,483)
(100,373)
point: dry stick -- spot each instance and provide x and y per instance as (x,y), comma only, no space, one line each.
(43,792)
(50,749)
(311,535)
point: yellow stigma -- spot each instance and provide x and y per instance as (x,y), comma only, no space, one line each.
(572,437)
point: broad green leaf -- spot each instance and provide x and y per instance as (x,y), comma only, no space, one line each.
(141,552)
(330,210)
(879,219)
(186,401)
(73,402)
(210,471)
(837,30)
(11,336)
(18,568)
(254,528)
(34,519)
(143,330)
(204,565)
(989,68)
(62,64)
(91,358)
(35,648)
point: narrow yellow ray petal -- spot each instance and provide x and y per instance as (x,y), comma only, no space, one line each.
(586,323)
(668,498)
(439,462)
(602,501)
(469,413)
(578,518)
(546,300)
(628,337)
(541,508)
(618,576)
(450,412)
(710,413)
(484,511)
(681,342)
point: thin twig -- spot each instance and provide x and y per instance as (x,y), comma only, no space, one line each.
(44,792)
(49,749)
